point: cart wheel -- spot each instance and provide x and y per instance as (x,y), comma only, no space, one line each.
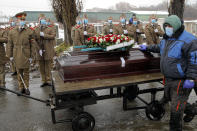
(188,118)
(131,92)
(189,112)
(155,111)
(83,122)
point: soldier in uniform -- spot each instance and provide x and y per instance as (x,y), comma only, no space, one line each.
(3,58)
(122,27)
(108,29)
(20,42)
(45,37)
(12,65)
(153,31)
(74,28)
(136,30)
(83,32)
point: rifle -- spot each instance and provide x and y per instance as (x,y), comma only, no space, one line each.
(85,36)
(42,47)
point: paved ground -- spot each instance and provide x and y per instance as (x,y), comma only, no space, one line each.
(21,114)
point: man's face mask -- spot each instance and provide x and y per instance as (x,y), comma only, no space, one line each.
(154,21)
(135,22)
(12,24)
(169,31)
(85,21)
(43,22)
(79,22)
(110,21)
(48,23)
(123,21)
(22,23)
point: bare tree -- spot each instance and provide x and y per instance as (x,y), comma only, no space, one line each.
(66,12)
(177,7)
(124,6)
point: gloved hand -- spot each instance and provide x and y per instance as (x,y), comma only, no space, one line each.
(110,30)
(85,33)
(138,30)
(188,84)
(143,47)
(11,58)
(30,60)
(42,34)
(40,52)
(156,30)
(125,32)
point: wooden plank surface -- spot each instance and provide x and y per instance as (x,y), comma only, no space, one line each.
(61,87)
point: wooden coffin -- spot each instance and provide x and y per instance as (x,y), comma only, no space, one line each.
(100,65)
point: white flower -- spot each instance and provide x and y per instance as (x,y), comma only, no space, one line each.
(101,40)
(118,41)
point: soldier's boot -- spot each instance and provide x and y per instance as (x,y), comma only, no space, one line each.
(27,92)
(175,122)
(190,112)
(21,91)
(14,74)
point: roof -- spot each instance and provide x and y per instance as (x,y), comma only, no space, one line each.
(150,12)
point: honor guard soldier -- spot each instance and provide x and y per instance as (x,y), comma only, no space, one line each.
(84,32)
(122,27)
(20,42)
(45,37)
(108,29)
(153,31)
(12,65)
(3,58)
(136,30)
(76,41)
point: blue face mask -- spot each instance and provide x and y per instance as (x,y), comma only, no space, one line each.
(135,22)
(169,31)
(154,21)
(110,21)
(85,21)
(43,22)
(79,22)
(22,23)
(48,23)
(13,24)
(123,21)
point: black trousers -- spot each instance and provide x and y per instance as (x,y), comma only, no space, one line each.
(178,96)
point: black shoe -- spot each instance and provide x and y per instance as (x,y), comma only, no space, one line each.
(21,91)
(14,74)
(44,84)
(49,84)
(27,92)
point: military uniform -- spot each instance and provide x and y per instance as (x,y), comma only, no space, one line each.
(119,29)
(108,29)
(20,48)
(46,45)
(153,32)
(12,65)
(79,33)
(73,34)
(132,32)
(3,58)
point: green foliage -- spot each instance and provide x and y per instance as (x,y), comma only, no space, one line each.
(61,48)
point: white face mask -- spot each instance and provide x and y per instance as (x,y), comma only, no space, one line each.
(169,31)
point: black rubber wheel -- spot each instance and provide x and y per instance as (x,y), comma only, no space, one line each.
(188,118)
(155,111)
(131,92)
(83,122)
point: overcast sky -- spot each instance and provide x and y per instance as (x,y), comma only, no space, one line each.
(11,7)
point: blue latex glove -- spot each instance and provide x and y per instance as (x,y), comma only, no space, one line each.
(143,47)
(188,84)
